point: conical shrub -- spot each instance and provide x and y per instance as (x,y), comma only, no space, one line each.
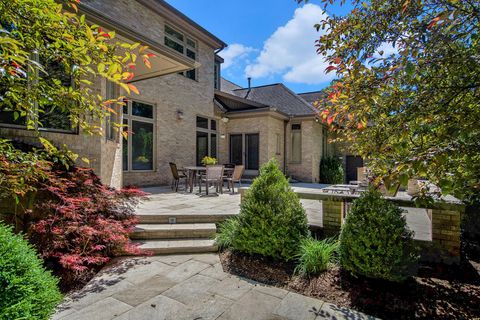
(272,222)
(375,241)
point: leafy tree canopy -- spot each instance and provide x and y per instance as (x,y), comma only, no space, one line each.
(413,110)
(50,58)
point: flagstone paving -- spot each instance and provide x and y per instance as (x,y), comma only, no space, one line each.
(190,287)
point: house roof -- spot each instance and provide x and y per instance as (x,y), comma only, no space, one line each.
(313,96)
(228,86)
(232,103)
(171,13)
(118,15)
(278,96)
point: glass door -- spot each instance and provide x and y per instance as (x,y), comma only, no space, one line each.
(236,149)
(252,151)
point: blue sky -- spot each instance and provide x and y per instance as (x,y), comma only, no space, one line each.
(270,40)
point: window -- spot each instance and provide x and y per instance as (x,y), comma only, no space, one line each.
(206,138)
(325,142)
(216,71)
(112,93)
(296,143)
(138,149)
(51,117)
(184,45)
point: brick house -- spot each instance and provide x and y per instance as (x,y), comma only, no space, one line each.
(185,110)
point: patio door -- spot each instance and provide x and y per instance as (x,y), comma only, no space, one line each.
(244,149)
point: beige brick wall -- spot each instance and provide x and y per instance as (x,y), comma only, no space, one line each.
(308,169)
(176,139)
(102,154)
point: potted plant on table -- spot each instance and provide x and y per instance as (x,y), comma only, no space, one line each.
(208,161)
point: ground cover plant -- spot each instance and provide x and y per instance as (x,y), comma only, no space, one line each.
(316,256)
(27,290)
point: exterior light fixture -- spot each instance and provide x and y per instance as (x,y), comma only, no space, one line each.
(180,115)
(225,120)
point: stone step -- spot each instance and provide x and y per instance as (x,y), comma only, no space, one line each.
(168,218)
(174,231)
(158,247)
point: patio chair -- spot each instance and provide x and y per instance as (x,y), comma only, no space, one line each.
(176,176)
(236,177)
(213,176)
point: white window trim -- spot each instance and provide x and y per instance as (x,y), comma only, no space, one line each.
(129,117)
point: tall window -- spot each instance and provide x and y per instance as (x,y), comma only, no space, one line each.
(185,45)
(206,138)
(138,149)
(296,143)
(217,75)
(325,142)
(51,116)
(112,93)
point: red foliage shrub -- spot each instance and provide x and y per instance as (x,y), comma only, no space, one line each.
(83,223)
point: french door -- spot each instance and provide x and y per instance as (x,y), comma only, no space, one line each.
(244,149)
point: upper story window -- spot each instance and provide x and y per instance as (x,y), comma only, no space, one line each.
(183,44)
(217,75)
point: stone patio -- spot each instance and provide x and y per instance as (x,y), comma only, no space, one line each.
(164,201)
(192,287)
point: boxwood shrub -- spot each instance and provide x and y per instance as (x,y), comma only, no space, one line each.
(27,290)
(375,241)
(331,170)
(272,222)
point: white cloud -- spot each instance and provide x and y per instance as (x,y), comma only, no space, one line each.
(290,50)
(234,53)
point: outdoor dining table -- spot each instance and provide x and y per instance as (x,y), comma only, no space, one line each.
(192,172)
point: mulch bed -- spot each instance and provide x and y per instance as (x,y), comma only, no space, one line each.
(438,292)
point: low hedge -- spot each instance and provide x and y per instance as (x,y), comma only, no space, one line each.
(27,290)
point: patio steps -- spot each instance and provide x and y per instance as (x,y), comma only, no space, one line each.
(184,234)
(182,218)
(174,231)
(174,246)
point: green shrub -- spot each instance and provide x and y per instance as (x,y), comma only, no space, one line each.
(226,233)
(331,170)
(27,291)
(272,222)
(316,256)
(375,241)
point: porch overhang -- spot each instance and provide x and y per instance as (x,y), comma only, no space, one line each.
(164,60)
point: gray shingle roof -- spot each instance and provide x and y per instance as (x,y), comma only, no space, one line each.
(311,97)
(228,86)
(278,96)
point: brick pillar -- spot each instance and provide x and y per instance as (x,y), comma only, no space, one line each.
(332,216)
(446,233)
